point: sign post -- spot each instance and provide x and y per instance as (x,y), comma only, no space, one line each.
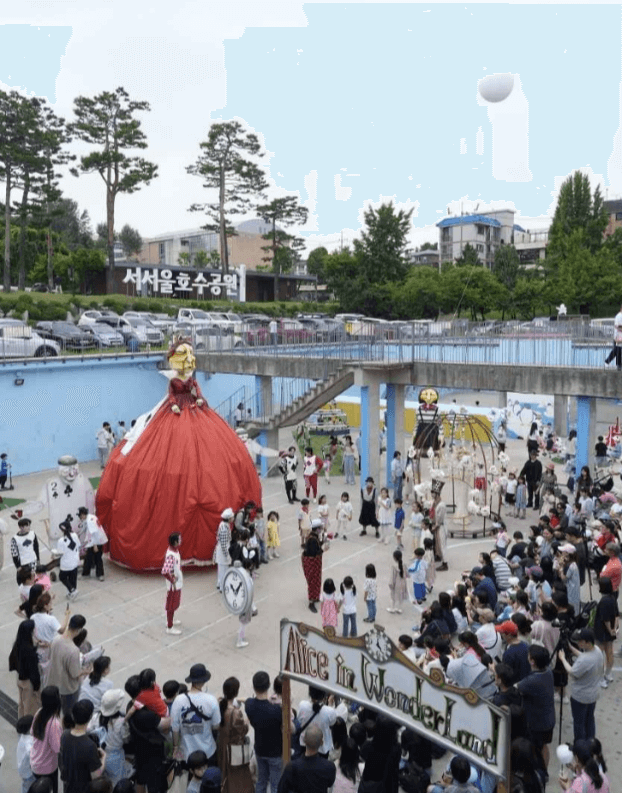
(372,671)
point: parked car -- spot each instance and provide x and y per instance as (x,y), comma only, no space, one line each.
(68,335)
(104,335)
(160,321)
(96,315)
(146,332)
(210,337)
(19,340)
(39,288)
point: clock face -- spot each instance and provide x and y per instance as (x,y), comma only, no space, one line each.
(236,591)
(378,645)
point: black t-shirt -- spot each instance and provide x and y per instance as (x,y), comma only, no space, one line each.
(507,698)
(148,740)
(267,721)
(518,549)
(78,759)
(601,449)
(516,656)
(308,775)
(606,611)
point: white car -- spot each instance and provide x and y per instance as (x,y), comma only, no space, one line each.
(93,315)
(160,321)
(210,337)
(19,340)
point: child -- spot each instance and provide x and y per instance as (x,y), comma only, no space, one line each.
(510,491)
(328,460)
(397,584)
(417,571)
(384,515)
(343,515)
(322,511)
(169,691)
(416,524)
(370,593)
(274,540)
(329,606)
(69,549)
(24,747)
(521,499)
(348,606)
(4,470)
(260,533)
(399,522)
(430,575)
(503,538)
(304,522)
(197,766)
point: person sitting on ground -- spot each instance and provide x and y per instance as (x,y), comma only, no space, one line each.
(457,778)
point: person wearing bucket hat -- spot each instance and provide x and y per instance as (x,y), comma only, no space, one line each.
(111,722)
(195,716)
(223,541)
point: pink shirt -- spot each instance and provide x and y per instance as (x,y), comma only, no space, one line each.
(44,754)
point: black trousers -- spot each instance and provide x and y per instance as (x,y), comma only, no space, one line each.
(533,494)
(290,489)
(3,479)
(93,559)
(616,352)
(69,579)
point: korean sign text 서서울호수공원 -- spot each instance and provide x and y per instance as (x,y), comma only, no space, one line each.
(164,282)
(371,670)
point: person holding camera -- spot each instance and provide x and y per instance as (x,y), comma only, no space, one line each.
(456,779)
(585,676)
(80,758)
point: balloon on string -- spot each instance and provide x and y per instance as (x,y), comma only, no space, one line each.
(496,87)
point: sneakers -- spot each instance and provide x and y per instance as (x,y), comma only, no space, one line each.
(604,683)
(173,631)
(277,555)
(390,610)
(241,644)
(386,540)
(101,578)
(377,534)
(176,622)
(443,567)
(73,595)
(609,678)
(379,539)
(363,533)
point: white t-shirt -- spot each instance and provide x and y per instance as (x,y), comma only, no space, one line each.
(617,324)
(344,510)
(46,626)
(511,486)
(324,720)
(196,732)
(371,588)
(69,559)
(348,602)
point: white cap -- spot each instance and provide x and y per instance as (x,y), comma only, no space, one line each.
(227,514)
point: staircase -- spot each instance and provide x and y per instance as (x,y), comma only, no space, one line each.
(311,400)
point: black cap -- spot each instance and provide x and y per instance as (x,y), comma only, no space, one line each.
(476,571)
(198,674)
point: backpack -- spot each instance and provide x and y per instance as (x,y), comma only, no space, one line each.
(413,779)
(297,748)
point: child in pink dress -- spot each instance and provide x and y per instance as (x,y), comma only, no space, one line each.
(329,605)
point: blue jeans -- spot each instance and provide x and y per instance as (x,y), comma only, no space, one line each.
(349,619)
(397,487)
(371,609)
(583,720)
(348,469)
(268,768)
(262,549)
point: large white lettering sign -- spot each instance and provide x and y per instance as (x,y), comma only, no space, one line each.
(371,670)
(163,281)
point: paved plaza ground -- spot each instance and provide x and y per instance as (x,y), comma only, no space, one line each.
(125,612)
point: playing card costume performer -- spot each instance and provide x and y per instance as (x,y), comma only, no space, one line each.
(428,422)
(24,544)
(176,470)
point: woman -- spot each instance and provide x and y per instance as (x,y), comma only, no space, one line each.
(368,508)
(94,687)
(112,721)
(569,574)
(433,625)
(236,776)
(589,778)
(47,626)
(23,659)
(347,778)
(397,474)
(47,731)
(312,565)
(502,436)
(316,711)
(533,439)
(26,610)
(348,460)
(584,482)
(571,446)
(525,767)
(471,670)
(606,625)
(383,758)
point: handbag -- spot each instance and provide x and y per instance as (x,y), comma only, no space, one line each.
(240,753)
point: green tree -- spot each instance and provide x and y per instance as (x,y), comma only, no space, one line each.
(183,259)
(109,122)
(469,257)
(421,294)
(381,251)
(315,263)
(471,287)
(343,278)
(429,246)
(201,260)
(507,265)
(131,240)
(577,210)
(285,212)
(72,226)
(223,165)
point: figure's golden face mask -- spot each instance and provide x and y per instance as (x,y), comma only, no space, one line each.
(428,395)
(183,360)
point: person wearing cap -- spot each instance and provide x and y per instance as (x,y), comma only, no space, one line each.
(24,544)
(111,720)
(585,676)
(223,541)
(613,569)
(532,471)
(195,718)
(171,570)
(516,654)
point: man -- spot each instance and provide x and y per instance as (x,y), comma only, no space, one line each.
(24,544)
(79,759)
(310,773)
(238,415)
(516,654)
(456,779)
(532,471)
(105,442)
(546,547)
(65,669)
(147,730)
(585,676)
(171,570)
(507,694)
(503,571)
(287,467)
(538,692)
(223,541)
(266,719)
(195,717)
(438,514)
(273,329)
(4,471)
(89,529)
(485,585)
(616,351)
(600,452)
(613,569)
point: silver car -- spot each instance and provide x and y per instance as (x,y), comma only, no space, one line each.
(104,335)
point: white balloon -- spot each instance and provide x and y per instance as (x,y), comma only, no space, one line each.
(496,87)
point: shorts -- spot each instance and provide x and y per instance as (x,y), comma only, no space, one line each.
(541,737)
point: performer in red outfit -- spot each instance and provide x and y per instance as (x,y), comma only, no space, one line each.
(176,470)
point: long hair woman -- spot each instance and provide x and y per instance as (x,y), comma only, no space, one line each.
(97,683)
(23,659)
(47,731)
(232,758)
(589,778)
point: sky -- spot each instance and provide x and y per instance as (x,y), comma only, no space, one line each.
(355,103)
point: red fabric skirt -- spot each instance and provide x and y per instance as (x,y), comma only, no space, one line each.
(312,568)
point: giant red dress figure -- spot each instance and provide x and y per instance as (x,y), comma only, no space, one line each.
(178,468)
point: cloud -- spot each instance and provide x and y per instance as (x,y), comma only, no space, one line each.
(341,193)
